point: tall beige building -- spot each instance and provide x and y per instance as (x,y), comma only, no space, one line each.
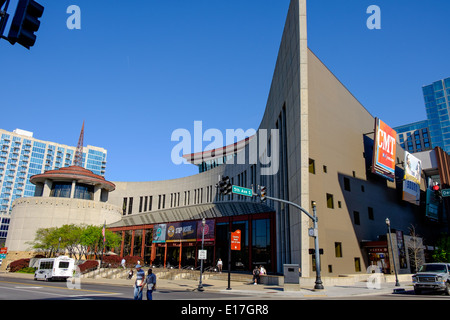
(319,140)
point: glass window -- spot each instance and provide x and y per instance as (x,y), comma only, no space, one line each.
(84,191)
(437,85)
(357,265)
(330,202)
(338,249)
(312,167)
(61,189)
(261,248)
(137,245)
(447,82)
(427,90)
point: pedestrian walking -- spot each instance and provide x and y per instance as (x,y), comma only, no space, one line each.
(123,263)
(150,282)
(219,265)
(256,273)
(130,274)
(138,284)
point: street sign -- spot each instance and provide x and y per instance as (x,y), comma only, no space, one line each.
(202,254)
(236,240)
(242,191)
(445,192)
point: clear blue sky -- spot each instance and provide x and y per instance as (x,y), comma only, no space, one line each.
(138,70)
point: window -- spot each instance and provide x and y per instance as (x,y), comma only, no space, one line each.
(356,218)
(330,201)
(357,265)
(325,169)
(130,206)
(370,211)
(124,206)
(338,249)
(346,184)
(61,189)
(312,166)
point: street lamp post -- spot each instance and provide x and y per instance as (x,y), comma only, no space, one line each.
(318,284)
(200,285)
(388,223)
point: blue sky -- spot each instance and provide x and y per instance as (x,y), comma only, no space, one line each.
(138,70)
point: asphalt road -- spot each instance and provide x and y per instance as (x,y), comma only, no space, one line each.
(28,289)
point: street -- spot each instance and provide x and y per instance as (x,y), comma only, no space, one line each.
(12,288)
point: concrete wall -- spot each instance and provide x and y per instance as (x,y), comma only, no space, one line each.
(30,214)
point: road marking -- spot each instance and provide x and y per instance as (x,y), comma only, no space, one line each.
(30,286)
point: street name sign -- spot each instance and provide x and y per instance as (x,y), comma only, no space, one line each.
(242,191)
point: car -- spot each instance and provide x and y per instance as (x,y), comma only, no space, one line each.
(432,276)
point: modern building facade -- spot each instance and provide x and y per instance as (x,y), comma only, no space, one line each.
(437,104)
(22,156)
(414,137)
(315,143)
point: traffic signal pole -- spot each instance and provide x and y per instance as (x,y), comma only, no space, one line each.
(318,284)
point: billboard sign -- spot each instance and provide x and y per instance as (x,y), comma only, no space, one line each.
(181,231)
(209,230)
(159,233)
(411,180)
(384,150)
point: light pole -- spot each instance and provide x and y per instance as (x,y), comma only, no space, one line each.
(318,285)
(200,285)
(388,223)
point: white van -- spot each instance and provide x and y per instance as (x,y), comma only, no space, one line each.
(59,268)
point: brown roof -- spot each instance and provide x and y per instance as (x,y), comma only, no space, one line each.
(80,174)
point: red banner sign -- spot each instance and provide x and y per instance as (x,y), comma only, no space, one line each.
(236,240)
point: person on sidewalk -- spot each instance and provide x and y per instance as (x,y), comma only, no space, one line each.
(123,263)
(138,284)
(256,273)
(219,265)
(150,281)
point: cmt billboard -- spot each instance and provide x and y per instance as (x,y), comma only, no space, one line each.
(384,148)
(411,180)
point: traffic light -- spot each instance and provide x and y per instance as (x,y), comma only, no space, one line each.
(263,194)
(227,185)
(25,23)
(224,186)
(437,192)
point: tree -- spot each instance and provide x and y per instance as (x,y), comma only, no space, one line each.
(92,238)
(76,240)
(45,240)
(442,252)
(415,249)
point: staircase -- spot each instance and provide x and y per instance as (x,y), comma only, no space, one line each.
(168,274)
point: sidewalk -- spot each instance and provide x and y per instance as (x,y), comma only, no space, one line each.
(259,291)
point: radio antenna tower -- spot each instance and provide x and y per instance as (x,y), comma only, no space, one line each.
(78,159)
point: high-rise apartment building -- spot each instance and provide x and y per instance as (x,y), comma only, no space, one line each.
(22,156)
(437,104)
